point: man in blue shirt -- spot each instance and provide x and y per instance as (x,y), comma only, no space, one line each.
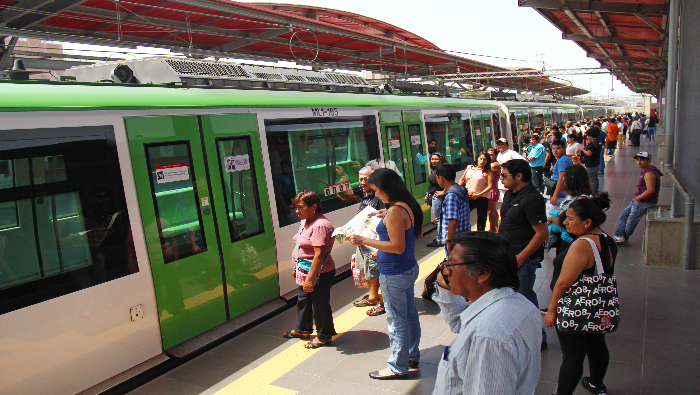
(536,157)
(455,206)
(563,161)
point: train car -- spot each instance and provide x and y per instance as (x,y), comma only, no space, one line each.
(136,219)
(522,117)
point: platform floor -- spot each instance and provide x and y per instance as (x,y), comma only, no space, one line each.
(655,351)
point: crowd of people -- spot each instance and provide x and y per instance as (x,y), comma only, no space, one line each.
(485,285)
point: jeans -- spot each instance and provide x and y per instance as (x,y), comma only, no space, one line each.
(601,168)
(630,217)
(593,176)
(437,211)
(651,132)
(402,317)
(537,177)
(315,307)
(527,277)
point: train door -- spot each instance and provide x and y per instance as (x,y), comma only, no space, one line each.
(487,135)
(478,132)
(405,152)
(523,129)
(200,185)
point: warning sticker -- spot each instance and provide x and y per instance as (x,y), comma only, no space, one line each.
(336,188)
(394,143)
(415,140)
(236,163)
(172,173)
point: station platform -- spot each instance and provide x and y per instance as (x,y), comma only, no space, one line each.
(655,351)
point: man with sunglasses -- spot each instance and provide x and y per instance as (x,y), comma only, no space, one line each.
(499,330)
(524,224)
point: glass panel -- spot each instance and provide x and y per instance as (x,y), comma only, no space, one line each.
(497,126)
(395,159)
(572,116)
(488,133)
(453,137)
(240,188)
(317,154)
(478,138)
(418,154)
(514,132)
(49,169)
(176,201)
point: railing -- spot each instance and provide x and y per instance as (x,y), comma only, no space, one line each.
(689,217)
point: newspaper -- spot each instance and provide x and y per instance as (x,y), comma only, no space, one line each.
(363,224)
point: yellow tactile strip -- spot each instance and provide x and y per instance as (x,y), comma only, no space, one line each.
(259,380)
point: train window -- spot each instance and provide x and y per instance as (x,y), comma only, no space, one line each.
(453,134)
(240,188)
(63,219)
(417,153)
(395,159)
(176,200)
(536,120)
(496,126)
(323,155)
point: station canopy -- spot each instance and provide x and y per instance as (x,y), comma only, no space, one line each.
(311,36)
(628,37)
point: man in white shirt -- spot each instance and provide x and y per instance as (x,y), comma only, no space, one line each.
(504,153)
(497,350)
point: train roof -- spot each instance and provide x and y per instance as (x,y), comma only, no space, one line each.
(538,104)
(72,96)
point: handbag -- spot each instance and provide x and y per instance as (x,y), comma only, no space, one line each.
(591,304)
(550,184)
(429,199)
(430,283)
(302,266)
(358,274)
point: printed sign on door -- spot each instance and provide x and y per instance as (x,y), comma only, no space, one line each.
(236,163)
(415,140)
(336,188)
(171,173)
(394,143)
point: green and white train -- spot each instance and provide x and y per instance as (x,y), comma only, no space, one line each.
(134,218)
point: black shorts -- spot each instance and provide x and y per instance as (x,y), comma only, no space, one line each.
(612,144)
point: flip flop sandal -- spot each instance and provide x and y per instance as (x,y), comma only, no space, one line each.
(366,303)
(376,310)
(357,302)
(292,335)
(316,344)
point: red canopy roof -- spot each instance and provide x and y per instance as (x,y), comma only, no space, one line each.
(312,36)
(626,36)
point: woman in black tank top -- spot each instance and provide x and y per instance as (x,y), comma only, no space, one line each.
(583,219)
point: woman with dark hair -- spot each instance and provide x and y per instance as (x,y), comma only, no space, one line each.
(314,270)
(494,193)
(583,219)
(479,181)
(398,270)
(435,192)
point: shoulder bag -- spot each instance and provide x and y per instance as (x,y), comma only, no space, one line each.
(591,304)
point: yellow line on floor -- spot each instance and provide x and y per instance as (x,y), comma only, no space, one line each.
(259,380)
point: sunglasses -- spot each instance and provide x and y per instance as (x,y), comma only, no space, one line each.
(504,175)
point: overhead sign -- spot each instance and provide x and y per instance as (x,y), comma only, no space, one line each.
(643,89)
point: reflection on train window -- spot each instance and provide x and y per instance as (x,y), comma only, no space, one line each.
(420,175)
(240,187)
(453,134)
(496,127)
(394,159)
(63,219)
(176,201)
(536,120)
(321,155)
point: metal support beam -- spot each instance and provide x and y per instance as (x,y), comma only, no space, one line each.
(652,25)
(612,40)
(10,13)
(48,10)
(368,55)
(255,37)
(631,59)
(602,6)
(672,81)
(6,60)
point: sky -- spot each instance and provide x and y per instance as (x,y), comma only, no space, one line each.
(507,35)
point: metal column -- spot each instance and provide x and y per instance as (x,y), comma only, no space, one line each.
(672,80)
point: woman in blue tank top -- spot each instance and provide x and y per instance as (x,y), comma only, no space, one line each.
(398,270)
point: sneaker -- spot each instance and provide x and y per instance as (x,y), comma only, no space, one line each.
(413,365)
(599,390)
(620,240)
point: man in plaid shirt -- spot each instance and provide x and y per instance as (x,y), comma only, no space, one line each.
(455,205)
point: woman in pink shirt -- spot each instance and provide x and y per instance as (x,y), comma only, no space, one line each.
(314,271)
(479,181)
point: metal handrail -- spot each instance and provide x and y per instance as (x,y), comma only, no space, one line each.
(689,217)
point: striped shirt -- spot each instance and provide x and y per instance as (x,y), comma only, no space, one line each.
(497,350)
